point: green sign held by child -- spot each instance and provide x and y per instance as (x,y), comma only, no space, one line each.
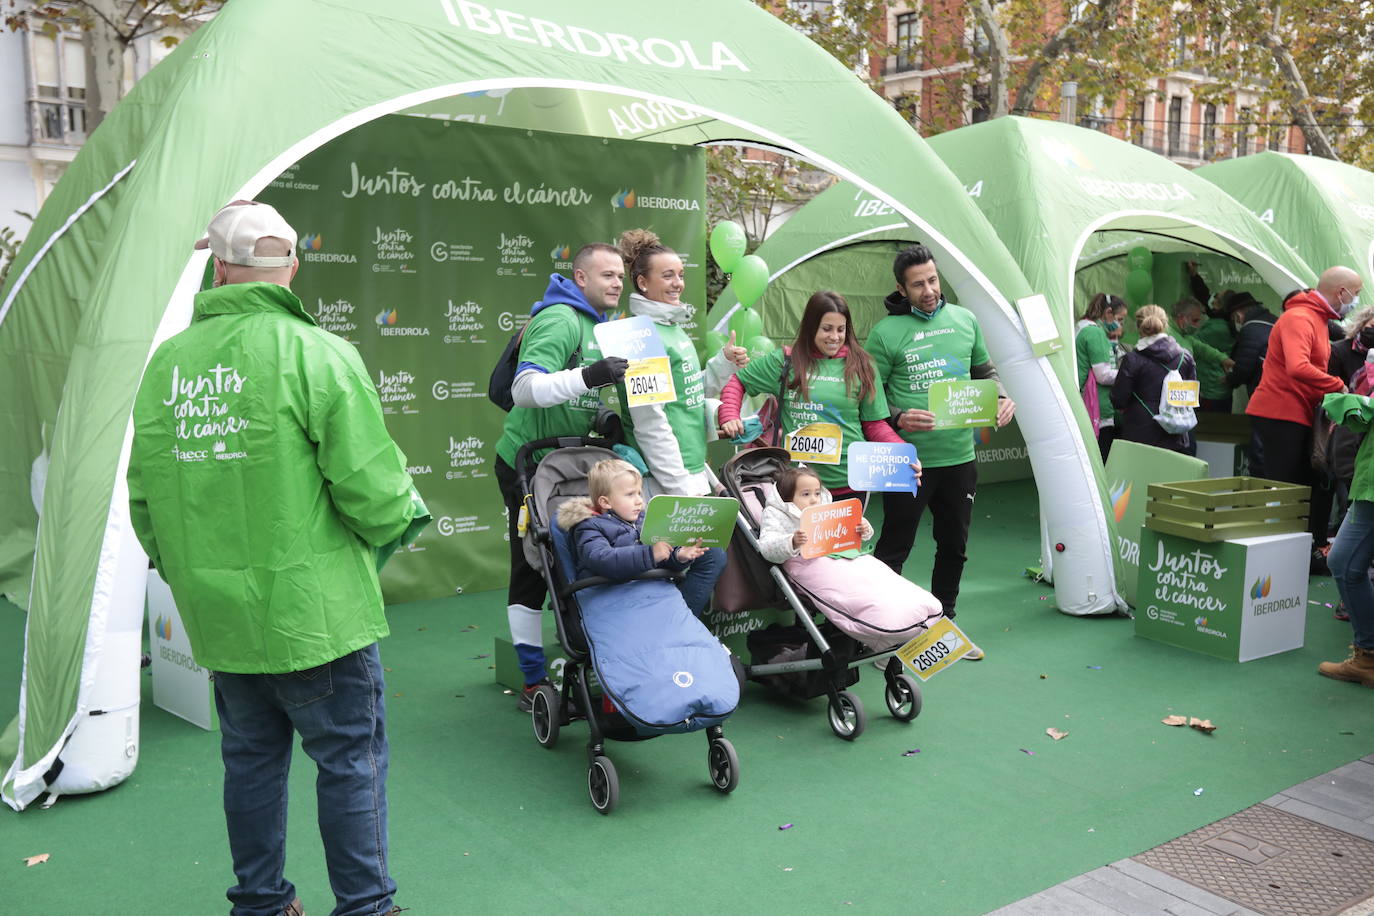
(683,520)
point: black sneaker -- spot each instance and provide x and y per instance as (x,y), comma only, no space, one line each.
(525,701)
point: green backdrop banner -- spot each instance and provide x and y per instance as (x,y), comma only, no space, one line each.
(424,242)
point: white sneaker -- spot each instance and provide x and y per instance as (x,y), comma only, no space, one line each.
(974,654)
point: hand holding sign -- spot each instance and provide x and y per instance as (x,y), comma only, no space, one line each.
(649,377)
(831,527)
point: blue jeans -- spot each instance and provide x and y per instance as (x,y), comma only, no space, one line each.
(701,579)
(339,710)
(1351,553)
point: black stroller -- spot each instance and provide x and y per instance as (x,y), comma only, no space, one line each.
(595,622)
(806,660)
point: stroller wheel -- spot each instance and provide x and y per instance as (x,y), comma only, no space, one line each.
(723,763)
(603,785)
(847,717)
(903,697)
(546,715)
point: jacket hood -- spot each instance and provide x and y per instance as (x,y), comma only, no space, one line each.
(1259,312)
(897,303)
(1311,300)
(660,312)
(1163,349)
(574,511)
(246,298)
(562,291)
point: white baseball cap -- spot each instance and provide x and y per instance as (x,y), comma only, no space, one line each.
(235,230)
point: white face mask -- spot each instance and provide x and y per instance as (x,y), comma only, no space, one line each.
(1350,306)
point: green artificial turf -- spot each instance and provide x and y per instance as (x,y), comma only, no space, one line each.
(483,819)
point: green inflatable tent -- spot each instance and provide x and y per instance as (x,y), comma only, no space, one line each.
(1323,208)
(108,270)
(1054,192)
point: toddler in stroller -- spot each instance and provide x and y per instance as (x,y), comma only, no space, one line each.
(870,602)
(630,633)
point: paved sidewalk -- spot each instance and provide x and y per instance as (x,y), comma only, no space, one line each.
(1248,864)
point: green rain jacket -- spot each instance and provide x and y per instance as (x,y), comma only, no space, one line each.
(264,486)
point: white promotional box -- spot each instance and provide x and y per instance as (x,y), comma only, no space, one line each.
(180,686)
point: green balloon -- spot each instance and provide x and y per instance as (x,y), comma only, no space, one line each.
(760,346)
(1139,287)
(728,244)
(1140,258)
(749,279)
(714,341)
(746,324)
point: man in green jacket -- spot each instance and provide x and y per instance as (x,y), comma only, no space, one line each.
(267,492)
(1210,342)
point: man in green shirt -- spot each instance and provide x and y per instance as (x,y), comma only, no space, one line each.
(925,339)
(555,392)
(1210,342)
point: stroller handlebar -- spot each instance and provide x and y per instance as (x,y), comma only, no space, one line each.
(590,581)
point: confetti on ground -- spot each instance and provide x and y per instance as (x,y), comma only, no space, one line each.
(1317,603)
(1197,791)
(1044,597)
(911,753)
(31,861)
(787,868)
(386,669)
(483,655)
(1095,667)
(1056,734)
(509,693)
(1328,604)
(1203,725)
(785,827)
(1029,753)
(1175,720)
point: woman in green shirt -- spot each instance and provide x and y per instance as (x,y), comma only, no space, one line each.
(828,393)
(1093,350)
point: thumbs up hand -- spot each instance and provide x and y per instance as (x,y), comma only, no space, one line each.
(735,354)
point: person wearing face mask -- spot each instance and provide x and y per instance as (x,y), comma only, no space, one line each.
(1294,380)
(1093,349)
(925,338)
(672,437)
(1196,332)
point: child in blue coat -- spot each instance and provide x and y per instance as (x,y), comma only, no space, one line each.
(604,530)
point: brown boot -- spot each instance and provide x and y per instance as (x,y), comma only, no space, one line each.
(1359,667)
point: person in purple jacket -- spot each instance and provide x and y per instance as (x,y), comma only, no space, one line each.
(604,529)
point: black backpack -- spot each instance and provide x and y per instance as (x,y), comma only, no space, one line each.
(503,374)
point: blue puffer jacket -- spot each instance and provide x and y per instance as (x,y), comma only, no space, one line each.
(604,544)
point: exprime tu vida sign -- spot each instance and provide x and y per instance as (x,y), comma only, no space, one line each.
(672,54)
(1237,600)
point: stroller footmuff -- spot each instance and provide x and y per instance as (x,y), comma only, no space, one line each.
(639,662)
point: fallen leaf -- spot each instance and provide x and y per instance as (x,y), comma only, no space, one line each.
(1056,734)
(1175,720)
(31,861)
(1203,725)
(1043,676)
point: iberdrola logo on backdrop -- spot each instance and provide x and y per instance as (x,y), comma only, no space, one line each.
(163,628)
(1261,587)
(623,199)
(386,317)
(982,436)
(561,252)
(1200,621)
(1121,498)
(311,242)
(1065,154)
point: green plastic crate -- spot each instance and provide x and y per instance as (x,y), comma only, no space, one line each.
(1225,508)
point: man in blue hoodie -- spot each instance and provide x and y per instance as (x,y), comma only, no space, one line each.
(560,369)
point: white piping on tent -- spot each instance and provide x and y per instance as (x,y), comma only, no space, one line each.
(116,601)
(829,246)
(52,239)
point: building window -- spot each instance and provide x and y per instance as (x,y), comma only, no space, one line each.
(982,103)
(1209,131)
(1246,118)
(974,36)
(812,7)
(57,95)
(908,41)
(1175,125)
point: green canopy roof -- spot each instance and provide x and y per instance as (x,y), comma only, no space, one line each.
(108,268)
(1323,208)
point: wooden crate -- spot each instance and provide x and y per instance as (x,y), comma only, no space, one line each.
(1225,508)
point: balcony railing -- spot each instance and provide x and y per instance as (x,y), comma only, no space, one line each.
(56,122)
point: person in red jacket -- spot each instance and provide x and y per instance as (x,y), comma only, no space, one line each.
(1291,387)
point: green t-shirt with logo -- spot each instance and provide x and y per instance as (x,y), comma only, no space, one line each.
(1091,346)
(686,415)
(549,341)
(909,353)
(827,402)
